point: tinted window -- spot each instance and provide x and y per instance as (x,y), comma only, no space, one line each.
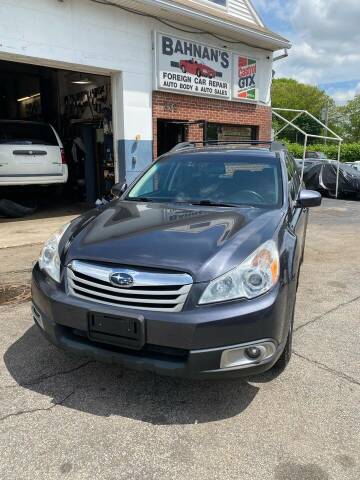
(293,176)
(216,177)
(27,134)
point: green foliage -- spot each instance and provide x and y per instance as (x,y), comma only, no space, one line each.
(289,93)
(348,120)
(350,152)
(344,120)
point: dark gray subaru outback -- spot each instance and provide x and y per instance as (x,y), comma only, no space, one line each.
(191,271)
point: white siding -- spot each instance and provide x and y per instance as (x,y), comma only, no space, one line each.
(242,10)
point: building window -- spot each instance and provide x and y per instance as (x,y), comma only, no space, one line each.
(219,3)
(230,133)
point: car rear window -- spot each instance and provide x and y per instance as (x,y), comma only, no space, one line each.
(26,134)
(232,178)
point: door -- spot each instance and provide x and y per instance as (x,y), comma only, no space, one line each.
(170,133)
(29,149)
(299,216)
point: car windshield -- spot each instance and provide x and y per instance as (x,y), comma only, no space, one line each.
(223,178)
(18,133)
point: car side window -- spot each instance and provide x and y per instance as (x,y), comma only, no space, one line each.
(293,177)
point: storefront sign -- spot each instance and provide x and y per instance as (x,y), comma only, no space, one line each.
(190,67)
(245,78)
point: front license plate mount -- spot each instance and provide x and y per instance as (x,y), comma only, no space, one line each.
(123,331)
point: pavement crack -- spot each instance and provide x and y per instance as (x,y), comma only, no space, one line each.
(56,374)
(21,245)
(51,375)
(342,375)
(34,410)
(334,309)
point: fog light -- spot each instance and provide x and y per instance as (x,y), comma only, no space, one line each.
(243,356)
(253,352)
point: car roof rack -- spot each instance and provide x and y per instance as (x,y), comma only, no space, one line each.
(274,146)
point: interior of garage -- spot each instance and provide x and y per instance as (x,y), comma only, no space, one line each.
(79,107)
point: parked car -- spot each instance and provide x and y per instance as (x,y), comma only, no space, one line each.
(355,165)
(313,158)
(317,155)
(31,153)
(307,163)
(192,271)
(195,68)
(322,177)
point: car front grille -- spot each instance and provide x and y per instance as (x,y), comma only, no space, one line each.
(157,291)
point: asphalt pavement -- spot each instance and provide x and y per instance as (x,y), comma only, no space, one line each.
(64,417)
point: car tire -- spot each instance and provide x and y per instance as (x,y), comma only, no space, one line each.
(198,73)
(11,209)
(285,357)
(183,69)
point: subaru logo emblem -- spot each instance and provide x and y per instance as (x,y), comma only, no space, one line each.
(121,279)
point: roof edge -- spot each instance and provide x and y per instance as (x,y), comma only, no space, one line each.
(275,41)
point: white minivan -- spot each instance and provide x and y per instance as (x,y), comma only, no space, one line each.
(31,153)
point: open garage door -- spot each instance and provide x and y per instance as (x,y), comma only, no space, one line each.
(55,135)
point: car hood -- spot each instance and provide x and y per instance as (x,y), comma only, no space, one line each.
(202,241)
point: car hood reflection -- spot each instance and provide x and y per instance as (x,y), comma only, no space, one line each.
(203,241)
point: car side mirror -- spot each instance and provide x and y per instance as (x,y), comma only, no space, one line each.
(118,189)
(309,198)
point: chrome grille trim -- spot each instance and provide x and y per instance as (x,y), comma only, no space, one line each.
(155,291)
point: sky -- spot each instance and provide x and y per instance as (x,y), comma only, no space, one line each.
(325,35)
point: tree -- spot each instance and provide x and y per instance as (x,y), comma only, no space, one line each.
(348,118)
(289,93)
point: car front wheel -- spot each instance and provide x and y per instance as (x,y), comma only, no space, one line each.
(183,69)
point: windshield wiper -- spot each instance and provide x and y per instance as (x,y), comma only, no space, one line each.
(210,203)
(139,199)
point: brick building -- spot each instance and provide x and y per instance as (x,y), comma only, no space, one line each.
(220,119)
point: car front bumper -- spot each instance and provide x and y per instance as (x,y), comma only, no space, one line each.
(190,343)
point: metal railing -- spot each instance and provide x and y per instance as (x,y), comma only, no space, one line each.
(291,123)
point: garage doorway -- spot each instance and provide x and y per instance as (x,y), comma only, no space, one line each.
(169,134)
(79,108)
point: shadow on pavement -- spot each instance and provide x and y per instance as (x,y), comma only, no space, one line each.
(107,390)
(50,210)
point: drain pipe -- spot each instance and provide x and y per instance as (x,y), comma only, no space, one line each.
(280,57)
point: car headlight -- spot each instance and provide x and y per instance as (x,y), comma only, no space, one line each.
(256,275)
(49,260)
